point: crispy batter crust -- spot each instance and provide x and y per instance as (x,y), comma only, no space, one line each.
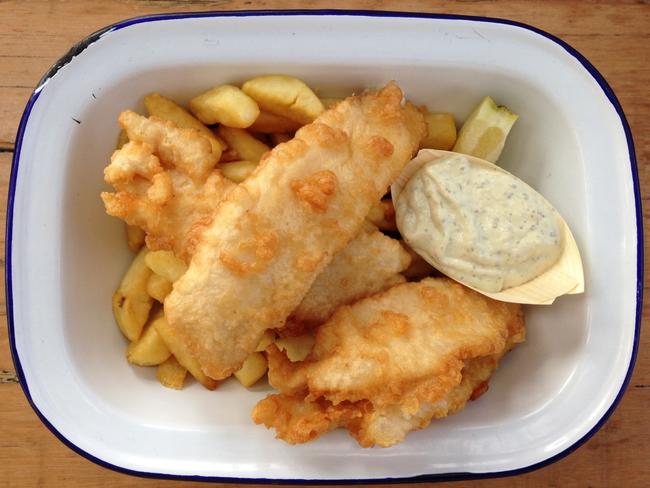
(392,362)
(187,150)
(317,190)
(165,183)
(345,165)
(370,263)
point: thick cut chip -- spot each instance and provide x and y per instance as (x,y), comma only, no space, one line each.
(266,340)
(268,123)
(166,109)
(285,96)
(237,171)
(148,350)
(441,131)
(252,370)
(122,139)
(247,147)
(296,347)
(165,264)
(158,287)
(227,105)
(134,237)
(275,232)
(165,183)
(390,363)
(370,263)
(181,354)
(131,302)
(171,374)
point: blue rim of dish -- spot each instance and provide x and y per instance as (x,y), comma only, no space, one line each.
(82,45)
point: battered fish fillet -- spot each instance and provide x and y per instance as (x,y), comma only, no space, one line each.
(370,263)
(391,363)
(165,183)
(275,232)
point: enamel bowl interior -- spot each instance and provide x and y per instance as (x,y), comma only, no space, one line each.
(67,256)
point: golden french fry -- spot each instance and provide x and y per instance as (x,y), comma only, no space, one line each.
(441,131)
(248,148)
(165,264)
(279,138)
(222,143)
(286,96)
(268,123)
(228,156)
(382,214)
(148,350)
(252,370)
(171,374)
(180,352)
(225,104)
(158,287)
(167,109)
(237,171)
(266,340)
(122,139)
(297,348)
(134,237)
(329,102)
(131,302)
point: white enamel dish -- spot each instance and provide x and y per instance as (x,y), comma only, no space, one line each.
(65,256)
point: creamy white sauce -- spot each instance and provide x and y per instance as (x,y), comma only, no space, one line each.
(478,223)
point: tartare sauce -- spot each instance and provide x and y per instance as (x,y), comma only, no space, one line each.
(478,224)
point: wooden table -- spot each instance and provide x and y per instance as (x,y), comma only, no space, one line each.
(613,35)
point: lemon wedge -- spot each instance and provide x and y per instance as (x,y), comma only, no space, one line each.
(485,131)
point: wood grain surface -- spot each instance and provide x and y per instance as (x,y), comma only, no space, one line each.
(613,35)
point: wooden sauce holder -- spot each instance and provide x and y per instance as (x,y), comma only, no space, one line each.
(566,276)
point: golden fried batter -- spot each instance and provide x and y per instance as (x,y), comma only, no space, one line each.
(165,183)
(187,150)
(275,232)
(390,363)
(370,263)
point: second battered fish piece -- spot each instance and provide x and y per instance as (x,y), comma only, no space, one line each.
(390,363)
(275,232)
(389,425)
(297,421)
(370,263)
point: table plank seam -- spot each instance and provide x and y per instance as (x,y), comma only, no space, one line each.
(7,376)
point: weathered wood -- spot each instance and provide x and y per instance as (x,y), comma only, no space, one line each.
(612,34)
